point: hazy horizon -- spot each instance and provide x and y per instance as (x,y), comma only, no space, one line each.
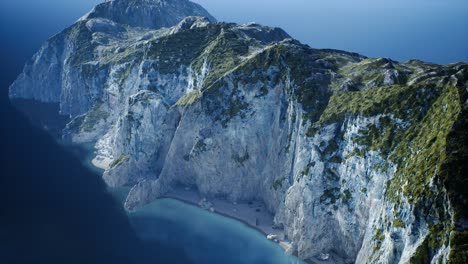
(429,30)
(272,150)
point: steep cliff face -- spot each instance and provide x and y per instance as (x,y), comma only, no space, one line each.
(352,155)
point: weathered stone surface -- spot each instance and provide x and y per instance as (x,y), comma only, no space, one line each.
(347,152)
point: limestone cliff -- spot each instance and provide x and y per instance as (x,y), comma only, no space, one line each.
(358,156)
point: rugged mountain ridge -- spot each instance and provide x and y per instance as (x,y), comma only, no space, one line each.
(147,13)
(357,156)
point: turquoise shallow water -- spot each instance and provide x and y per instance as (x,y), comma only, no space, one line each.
(206,237)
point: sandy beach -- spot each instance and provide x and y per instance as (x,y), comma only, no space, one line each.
(253,214)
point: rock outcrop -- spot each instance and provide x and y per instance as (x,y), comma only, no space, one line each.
(353,155)
(151,14)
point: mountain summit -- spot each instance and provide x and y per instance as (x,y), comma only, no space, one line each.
(152,14)
(360,157)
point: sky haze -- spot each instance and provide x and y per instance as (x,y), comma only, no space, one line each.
(430,30)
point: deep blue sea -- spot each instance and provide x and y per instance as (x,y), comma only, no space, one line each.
(205,237)
(431,30)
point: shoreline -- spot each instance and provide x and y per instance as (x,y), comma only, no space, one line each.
(252,214)
(101,162)
(192,197)
(247,213)
(242,212)
(215,212)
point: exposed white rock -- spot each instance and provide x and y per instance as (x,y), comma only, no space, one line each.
(272,237)
(288,247)
(169,106)
(324,256)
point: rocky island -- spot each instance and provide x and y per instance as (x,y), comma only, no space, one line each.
(358,157)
